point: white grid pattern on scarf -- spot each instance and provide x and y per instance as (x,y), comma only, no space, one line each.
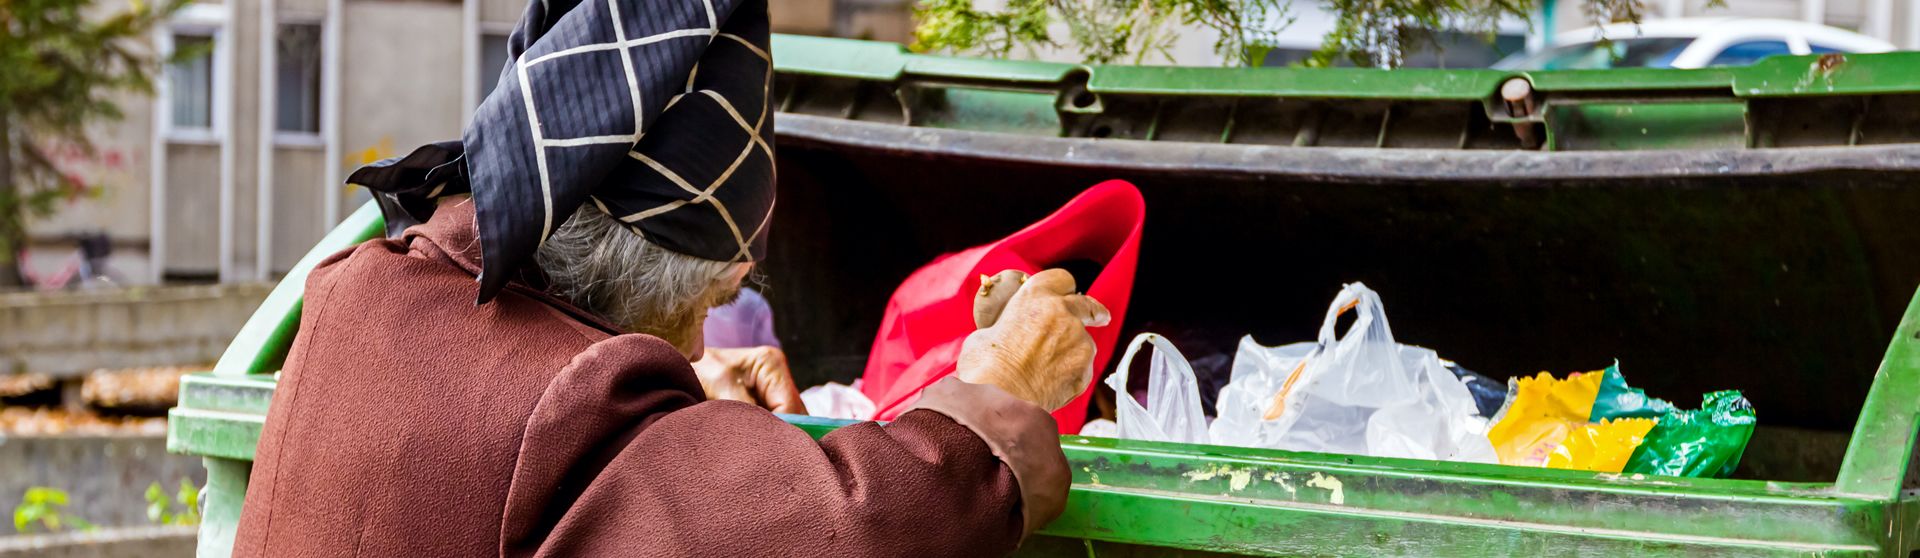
(623,44)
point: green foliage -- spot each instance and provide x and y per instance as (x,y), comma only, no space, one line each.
(1378,33)
(1104,31)
(1367,33)
(62,63)
(182,509)
(45,508)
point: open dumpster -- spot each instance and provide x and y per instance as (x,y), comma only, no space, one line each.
(1754,228)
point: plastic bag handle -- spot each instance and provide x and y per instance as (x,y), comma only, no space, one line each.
(1355,296)
(1123,399)
(1118,380)
(1126,359)
(1352,296)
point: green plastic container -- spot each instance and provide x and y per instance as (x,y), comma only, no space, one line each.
(1748,228)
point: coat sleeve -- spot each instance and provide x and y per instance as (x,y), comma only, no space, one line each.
(620,458)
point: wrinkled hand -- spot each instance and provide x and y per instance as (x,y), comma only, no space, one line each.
(1032,341)
(756,375)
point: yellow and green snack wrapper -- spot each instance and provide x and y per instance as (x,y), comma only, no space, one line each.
(1706,442)
(1602,447)
(1616,400)
(1543,411)
(1594,422)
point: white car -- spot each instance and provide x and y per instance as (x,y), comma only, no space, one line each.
(1690,43)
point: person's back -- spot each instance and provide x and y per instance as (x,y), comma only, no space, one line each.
(399,414)
(411,422)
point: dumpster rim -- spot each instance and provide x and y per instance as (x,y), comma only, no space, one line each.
(1337,164)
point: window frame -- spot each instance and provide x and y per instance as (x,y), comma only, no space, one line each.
(317,137)
(197,20)
(483,71)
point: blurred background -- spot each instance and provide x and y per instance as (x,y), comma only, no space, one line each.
(233,168)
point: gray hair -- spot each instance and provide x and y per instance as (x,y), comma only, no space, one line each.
(598,264)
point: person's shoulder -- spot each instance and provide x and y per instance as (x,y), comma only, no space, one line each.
(628,365)
(630,349)
(354,260)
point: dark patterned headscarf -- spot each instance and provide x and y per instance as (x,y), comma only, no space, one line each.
(653,110)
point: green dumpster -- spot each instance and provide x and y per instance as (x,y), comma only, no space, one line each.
(1749,228)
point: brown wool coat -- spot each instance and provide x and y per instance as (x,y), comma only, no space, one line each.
(410,422)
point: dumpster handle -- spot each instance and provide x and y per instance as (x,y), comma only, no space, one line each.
(1878,457)
(261,346)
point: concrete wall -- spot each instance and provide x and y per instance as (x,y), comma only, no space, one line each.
(245,29)
(130,542)
(192,211)
(120,166)
(71,333)
(501,11)
(313,8)
(105,477)
(298,192)
(402,79)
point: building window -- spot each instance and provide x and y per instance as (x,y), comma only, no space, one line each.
(493,59)
(190,82)
(297,78)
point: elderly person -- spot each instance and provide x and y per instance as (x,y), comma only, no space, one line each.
(615,187)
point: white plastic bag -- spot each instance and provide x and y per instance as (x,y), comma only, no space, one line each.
(1172,413)
(1360,394)
(833,400)
(1102,428)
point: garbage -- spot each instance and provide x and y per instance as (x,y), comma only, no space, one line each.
(1542,412)
(1209,351)
(834,400)
(1616,400)
(1360,394)
(1172,412)
(1102,428)
(1488,395)
(1707,442)
(1602,447)
(1594,422)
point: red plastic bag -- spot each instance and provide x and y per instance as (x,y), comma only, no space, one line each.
(932,311)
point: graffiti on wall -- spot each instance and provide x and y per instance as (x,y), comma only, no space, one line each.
(379,150)
(366,156)
(87,173)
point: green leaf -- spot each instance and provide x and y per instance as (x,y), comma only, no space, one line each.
(23,516)
(189,499)
(46,496)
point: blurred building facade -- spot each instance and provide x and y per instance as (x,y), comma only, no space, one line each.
(235,168)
